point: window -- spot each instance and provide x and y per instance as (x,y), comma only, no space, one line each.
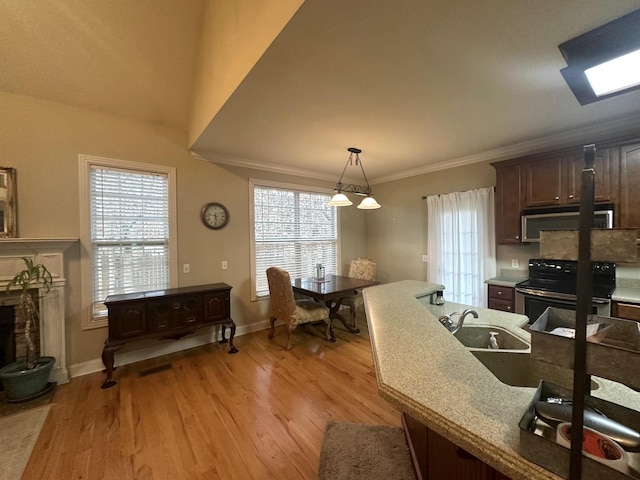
(128,217)
(462,244)
(293,228)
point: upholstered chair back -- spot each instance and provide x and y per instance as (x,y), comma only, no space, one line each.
(283,303)
(363,268)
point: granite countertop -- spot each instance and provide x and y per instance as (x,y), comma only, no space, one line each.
(508,277)
(427,373)
(627,290)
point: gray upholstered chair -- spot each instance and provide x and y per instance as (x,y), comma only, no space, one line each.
(363,269)
(286,308)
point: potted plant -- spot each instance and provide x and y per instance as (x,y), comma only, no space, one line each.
(28,377)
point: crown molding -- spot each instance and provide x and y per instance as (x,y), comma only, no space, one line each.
(265,166)
(618,127)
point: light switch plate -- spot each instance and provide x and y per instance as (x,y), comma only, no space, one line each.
(515,263)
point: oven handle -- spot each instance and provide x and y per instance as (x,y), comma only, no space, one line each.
(559,296)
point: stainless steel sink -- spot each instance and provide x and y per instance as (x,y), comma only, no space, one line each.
(477,336)
(519,369)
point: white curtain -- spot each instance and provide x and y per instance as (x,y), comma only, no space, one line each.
(461,238)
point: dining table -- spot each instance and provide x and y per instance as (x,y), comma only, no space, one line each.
(330,290)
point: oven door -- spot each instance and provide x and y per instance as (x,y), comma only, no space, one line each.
(536,303)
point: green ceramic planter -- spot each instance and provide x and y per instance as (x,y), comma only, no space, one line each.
(21,384)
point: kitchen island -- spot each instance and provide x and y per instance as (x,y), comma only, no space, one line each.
(425,372)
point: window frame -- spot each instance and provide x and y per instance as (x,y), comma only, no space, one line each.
(89,320)
(253,183)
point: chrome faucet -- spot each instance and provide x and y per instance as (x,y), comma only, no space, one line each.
(448,323)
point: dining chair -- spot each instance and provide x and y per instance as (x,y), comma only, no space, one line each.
(292,312)
(364,269)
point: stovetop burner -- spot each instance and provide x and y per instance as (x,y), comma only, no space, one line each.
(561,276)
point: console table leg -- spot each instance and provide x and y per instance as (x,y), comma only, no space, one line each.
(108,359)
(232,326)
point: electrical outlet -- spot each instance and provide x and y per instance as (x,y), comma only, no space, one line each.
(186,268)
(515,263)
(425,258)
(224,265)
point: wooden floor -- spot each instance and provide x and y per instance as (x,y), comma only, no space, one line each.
(258,414)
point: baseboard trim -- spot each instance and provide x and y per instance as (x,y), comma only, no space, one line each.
(144,350)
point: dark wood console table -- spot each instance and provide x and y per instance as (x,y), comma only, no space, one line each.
(170,313)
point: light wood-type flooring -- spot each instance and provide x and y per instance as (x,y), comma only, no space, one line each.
(258,414)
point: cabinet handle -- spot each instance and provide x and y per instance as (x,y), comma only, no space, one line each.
(499,292)
(571,196)
(556,198)
(517,237)
(509,307)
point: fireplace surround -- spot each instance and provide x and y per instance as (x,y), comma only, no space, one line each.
(49,252)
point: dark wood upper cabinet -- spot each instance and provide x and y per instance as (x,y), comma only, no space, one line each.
(508,204)
(628,211)
(553,180)
(543,182)
(557,180)
(572,170)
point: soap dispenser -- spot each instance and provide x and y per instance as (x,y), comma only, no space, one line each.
(493,342)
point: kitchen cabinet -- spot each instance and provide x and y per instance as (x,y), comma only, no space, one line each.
(508,200)
(501,298)
(626,310)
(557,180)
(170,313)
(436,458)
(628,213)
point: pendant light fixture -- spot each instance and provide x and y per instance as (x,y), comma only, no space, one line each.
(340,199)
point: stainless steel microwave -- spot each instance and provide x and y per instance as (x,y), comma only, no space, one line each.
(533,223)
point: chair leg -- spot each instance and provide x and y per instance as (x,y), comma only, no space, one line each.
(329,333)
(290,328)
(273,328)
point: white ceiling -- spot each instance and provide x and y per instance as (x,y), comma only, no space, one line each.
(416,84)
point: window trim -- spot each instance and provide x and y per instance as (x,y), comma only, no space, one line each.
(253,182)
(89,321)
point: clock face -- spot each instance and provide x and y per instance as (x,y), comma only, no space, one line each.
(215,215)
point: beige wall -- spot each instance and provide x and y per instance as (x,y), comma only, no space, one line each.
(235,34)
(397,233)
(42,140)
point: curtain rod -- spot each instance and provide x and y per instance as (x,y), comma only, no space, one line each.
(424,197)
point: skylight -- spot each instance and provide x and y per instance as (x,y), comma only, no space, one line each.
(615,75)
(604,62)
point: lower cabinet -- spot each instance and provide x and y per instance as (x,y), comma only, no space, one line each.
(436,458)
(501,298)
(628,311)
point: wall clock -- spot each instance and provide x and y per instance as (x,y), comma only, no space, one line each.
(214,215)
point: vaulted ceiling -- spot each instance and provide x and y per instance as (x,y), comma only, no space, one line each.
(418,85)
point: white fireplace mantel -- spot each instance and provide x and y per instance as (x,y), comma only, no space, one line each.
(49,252)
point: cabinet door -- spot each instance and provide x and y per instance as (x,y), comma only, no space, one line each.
(127,320)
(542,182)
(573,167)
(628,211)
(508,204)
(436,458)
(216,307)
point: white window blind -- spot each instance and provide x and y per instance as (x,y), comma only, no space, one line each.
(129,232)
(294,230)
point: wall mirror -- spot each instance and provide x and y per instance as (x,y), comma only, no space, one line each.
(7,202)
